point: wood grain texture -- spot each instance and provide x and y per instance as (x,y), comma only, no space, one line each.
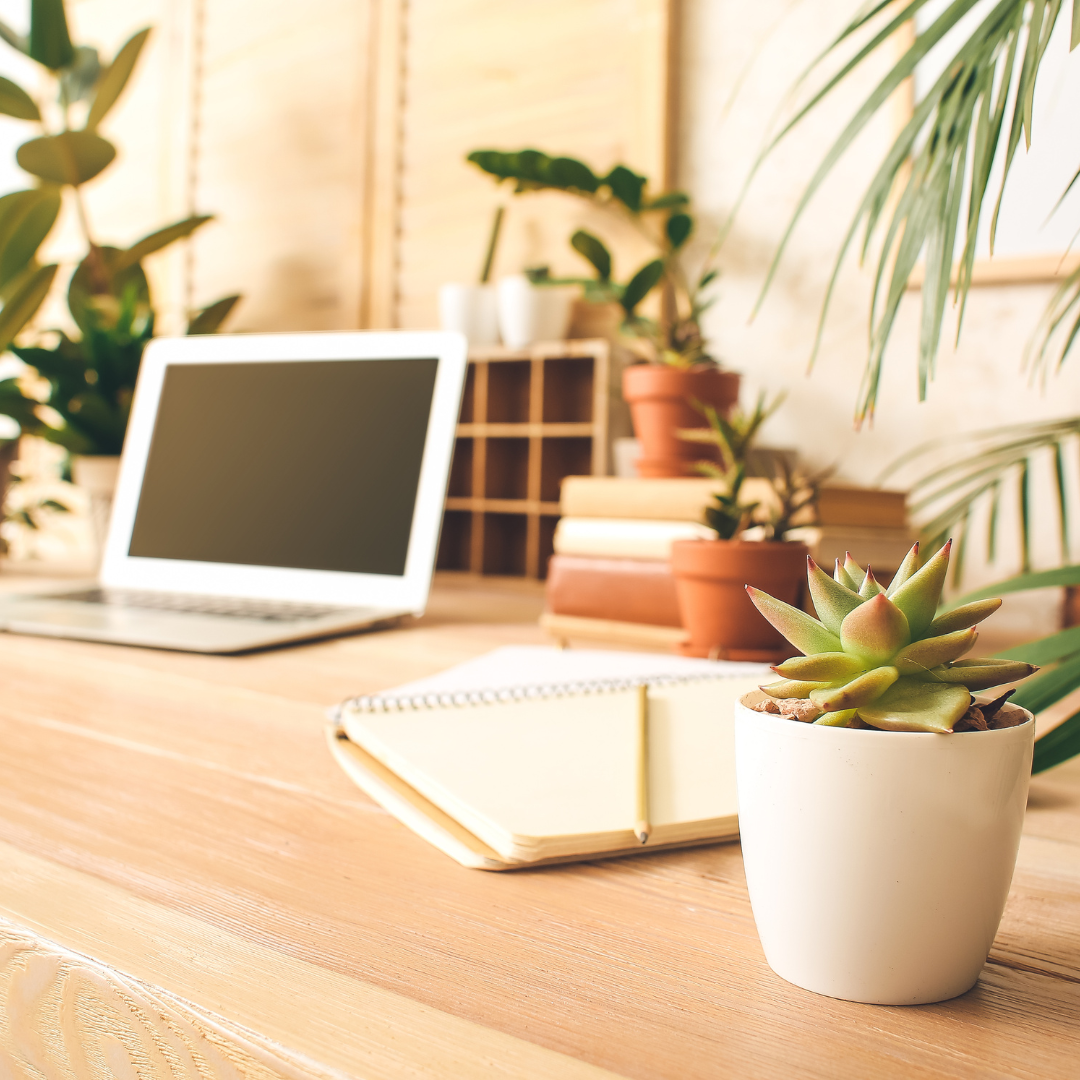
(179,820)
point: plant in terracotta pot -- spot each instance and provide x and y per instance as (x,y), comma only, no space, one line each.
(880,802)
(751,545)
(675,367)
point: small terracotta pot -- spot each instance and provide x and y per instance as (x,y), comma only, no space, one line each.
(711,578)
(660,399)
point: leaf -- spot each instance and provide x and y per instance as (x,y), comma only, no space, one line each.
(833,601)
(875,631)
(1074,36)
(16,41)
(791,688)
(15,101)
(80,77)
(571,174)
(114,80)
(979,673)
(802,630)
(162,238)
(210,318)
(821,667)
(906,570)
(1058,745)
(587,245)
(918,597)
(858,692)
(678,229)
(627,186)
(50,43)
(932,652)
(915,706)
(21,238)
(962,617)
(1049,687)
(669,200)
(1046,650)
(23,305)
(1040,579)
(73,157)
(85,283)
(641,284)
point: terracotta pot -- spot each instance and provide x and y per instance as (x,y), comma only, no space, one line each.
(660,404)
(711,578)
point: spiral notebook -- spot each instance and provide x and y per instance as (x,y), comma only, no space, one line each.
(528,755)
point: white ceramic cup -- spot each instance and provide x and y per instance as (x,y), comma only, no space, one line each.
(878,862)
(530,313)
(471,310)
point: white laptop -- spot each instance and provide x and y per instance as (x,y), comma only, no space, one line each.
(273,487)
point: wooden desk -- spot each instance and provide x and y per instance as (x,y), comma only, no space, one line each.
(189,886)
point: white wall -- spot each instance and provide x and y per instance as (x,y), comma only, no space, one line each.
(979,385)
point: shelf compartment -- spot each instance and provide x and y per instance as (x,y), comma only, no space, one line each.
(461,470)
(508,390)
(560,458)
(506,475)
(569,390)
(504,544)
(455,542)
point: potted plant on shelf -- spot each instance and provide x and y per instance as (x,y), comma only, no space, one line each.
(82,395)
(675,368)
(878,859)
(750,545)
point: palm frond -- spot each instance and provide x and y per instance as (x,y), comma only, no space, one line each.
(930,193)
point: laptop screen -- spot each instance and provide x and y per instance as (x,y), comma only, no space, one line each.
(310,465)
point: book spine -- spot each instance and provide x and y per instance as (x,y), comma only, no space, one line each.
(622,590)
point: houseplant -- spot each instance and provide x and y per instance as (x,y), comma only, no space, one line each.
(710,575)
(878,860)
(974,115)
(674,366)
(82,398)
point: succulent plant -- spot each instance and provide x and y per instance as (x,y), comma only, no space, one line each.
(884,656)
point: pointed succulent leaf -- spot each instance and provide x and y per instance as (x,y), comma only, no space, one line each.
(823,667)
(792,688)
(832,600)
(875,631)
(962,617)
(918,597)
(836,719)
(802,630)
(917,706)
(844,578)
(870,586)
(931,652)
(980,673)
(861,691)
(854,570)
(907,569)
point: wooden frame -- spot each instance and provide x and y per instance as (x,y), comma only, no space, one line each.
(529,418)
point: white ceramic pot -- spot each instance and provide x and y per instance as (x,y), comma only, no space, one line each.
(530,313)
(471,310)
(878,862)
(97,476)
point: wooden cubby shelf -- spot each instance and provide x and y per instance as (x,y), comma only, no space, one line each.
(529,418)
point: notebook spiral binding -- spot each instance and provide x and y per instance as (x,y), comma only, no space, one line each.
(370,703)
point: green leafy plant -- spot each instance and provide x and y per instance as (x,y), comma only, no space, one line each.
(26,512)
(91,376)
(675,337)
(885,657)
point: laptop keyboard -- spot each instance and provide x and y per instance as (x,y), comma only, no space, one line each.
(267,610)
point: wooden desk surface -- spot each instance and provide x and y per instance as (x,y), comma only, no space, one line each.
(189,886)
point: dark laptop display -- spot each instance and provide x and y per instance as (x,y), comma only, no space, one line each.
(311,465)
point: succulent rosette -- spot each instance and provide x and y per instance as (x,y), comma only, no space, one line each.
(884,656)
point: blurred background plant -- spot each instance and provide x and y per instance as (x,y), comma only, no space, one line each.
(674,337)
(82,398)
(923,210)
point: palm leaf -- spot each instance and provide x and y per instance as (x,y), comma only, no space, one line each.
(1058,745)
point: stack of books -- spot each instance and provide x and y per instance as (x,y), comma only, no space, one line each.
(610,578)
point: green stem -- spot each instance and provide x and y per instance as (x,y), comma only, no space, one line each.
(493,243)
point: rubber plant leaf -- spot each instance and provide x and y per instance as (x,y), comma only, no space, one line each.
(918,597)
(593,249)
(19,244)
(112,82)
(802,630)
(85,283)
(857,693)
(875,631)
(210,318)
(23,305)
(915,706)
(72,157)
(15,101)
(931,652)
(162,238)
(832,600)
(50,42)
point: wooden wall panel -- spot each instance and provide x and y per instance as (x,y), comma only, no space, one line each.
(583,77)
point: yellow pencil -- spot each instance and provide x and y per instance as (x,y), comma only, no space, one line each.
(642,828)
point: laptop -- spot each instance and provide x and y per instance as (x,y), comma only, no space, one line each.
(273,488)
